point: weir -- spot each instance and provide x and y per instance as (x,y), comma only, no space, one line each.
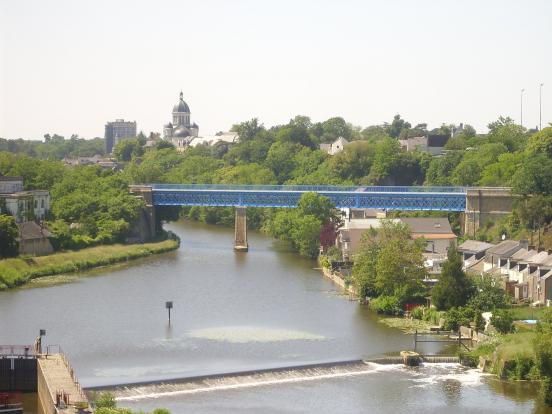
(257,378)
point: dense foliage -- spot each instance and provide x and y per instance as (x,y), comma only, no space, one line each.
(9,233)
(389,263)
(55,147)
(302,225)
(454,288)
(106,404)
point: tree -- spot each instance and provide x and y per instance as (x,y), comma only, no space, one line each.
(542,345)
(164,144)
(503,321)
(248,131)
(389,262)
(453,289)
(488,295)
(396,126)
(127,149)
(9,246)
(280,159)
(302,226)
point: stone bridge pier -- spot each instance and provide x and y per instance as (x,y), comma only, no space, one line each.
(484,205)
(240,230)
(145,229)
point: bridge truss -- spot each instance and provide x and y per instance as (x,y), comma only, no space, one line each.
(388,198)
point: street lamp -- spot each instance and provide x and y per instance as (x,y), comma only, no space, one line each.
(521,107)
(540,106)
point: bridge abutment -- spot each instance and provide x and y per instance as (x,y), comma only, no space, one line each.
(484,205)
(145,229)
(240,230)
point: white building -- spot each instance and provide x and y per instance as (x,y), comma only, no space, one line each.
(335,147)
(27,205)
(181,131)
(10,185)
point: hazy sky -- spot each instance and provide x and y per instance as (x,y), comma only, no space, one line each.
(70,66)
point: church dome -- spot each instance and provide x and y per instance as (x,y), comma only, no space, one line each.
(181,106)
(181,132)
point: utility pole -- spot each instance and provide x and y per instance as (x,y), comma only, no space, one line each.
(521,107)
(540,106)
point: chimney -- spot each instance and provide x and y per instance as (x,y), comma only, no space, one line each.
(524,244)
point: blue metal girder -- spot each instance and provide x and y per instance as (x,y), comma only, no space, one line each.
(429,201)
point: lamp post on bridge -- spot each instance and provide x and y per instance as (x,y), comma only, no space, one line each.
(521,106)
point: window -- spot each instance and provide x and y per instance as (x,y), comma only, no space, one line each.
(42,203)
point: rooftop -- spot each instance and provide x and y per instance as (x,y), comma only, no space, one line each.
(505,248)
(474,246)
(428,225)
(29,230)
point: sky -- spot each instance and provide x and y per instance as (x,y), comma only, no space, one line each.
(69,66)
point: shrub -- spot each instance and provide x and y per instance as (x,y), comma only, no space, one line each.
(432,315)
(388,305)
(418,312)
(503,321)
(456,317)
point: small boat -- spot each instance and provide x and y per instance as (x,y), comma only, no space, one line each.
(10,403)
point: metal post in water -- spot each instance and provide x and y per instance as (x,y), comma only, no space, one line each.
(169,306)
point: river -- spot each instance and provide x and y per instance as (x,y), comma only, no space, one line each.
(234,312)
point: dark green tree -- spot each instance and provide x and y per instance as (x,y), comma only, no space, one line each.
(454,288)
(9,246)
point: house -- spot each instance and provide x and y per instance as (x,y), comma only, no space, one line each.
(473,251)
(436,143)
(436,231)
(33,239)
(349,235)
(414,144)
(26,205)
(432,143)
(335,147)
(525,273)
(9,185)
(227,137)
(497,256)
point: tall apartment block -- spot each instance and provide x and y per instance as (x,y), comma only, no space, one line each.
(117,131)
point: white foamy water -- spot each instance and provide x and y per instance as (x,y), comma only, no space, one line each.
(434,373)
(421,377)
(245,334)
(248,381)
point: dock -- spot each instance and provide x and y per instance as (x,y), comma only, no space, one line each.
(58,390)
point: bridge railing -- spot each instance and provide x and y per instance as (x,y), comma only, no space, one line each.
(306,188)
(16,351)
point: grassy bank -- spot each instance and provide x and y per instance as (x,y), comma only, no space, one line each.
(407,325)
(15,272)
(508,356)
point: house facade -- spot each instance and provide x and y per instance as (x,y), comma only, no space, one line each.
(33,239)
(335,147)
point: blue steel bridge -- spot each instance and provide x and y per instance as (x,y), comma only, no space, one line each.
(382,197)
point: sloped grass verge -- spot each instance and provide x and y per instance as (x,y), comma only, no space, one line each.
(16,272)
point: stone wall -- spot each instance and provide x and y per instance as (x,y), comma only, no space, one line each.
(485,205)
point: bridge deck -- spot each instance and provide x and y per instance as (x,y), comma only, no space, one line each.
(388,198)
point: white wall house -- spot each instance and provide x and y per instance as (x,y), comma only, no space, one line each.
(27,205)
(335,147)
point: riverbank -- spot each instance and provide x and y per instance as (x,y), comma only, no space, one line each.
(18,271)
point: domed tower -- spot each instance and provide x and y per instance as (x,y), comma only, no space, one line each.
(181,113)
(181,131)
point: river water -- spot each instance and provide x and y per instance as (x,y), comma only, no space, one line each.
(235,312)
